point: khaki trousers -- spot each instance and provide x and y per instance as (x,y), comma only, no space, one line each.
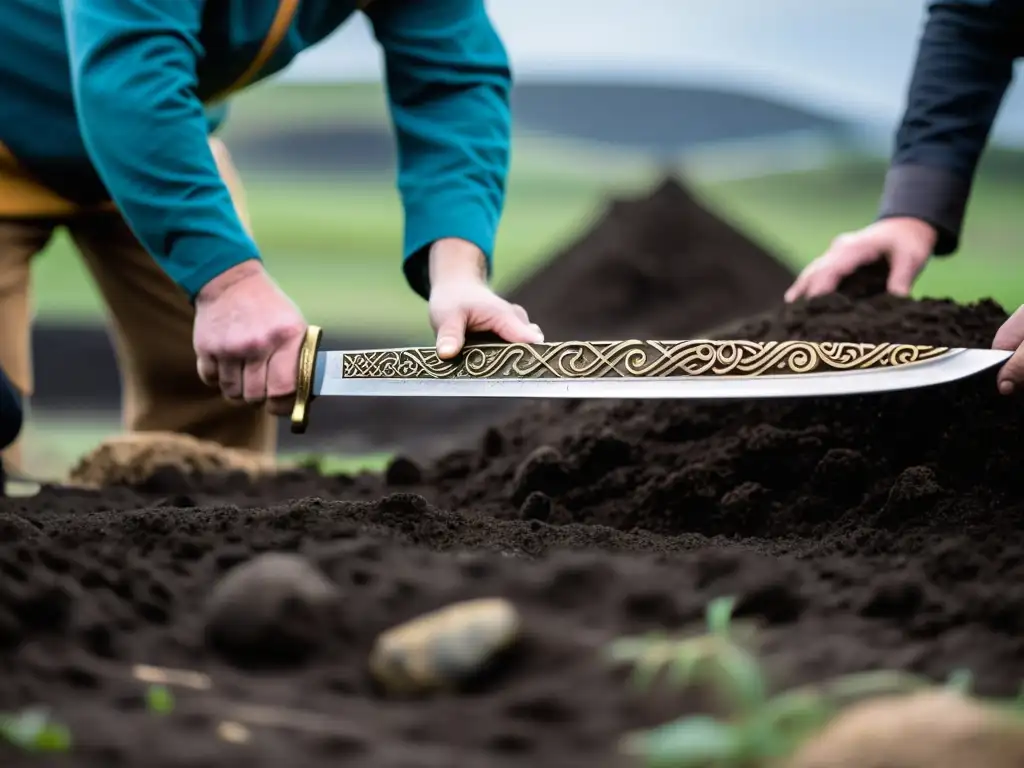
(150,319)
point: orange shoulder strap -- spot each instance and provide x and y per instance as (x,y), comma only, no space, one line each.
(278,29)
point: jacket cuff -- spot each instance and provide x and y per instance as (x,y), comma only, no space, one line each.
(464,219)
(932,195)
(199,258)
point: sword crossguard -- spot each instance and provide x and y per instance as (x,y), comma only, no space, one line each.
(304,379)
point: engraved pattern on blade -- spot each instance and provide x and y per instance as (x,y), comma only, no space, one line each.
(635,359)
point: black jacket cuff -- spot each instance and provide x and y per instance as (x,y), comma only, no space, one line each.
(932,195)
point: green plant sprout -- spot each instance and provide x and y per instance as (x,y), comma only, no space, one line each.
(32,730)
(763,729)
(715,658)
(159,699)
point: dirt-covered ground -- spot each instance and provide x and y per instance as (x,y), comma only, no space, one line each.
(860,533)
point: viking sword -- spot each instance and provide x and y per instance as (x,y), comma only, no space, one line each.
(698,369)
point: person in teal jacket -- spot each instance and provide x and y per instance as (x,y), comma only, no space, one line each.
(106,114)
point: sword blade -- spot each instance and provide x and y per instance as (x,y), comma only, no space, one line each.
(692,369)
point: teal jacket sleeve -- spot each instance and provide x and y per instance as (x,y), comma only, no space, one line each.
(133,69)
(448,84)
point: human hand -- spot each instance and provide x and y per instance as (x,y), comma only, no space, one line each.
(247,336)
(1010,337)
(461,301)
(906,242)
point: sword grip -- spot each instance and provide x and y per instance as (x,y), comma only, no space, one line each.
(304,379)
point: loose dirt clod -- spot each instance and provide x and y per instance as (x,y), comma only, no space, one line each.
(270,611)
(135,458)
(925,730)
(446,648)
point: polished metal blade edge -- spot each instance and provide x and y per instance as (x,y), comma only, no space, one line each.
(959,364)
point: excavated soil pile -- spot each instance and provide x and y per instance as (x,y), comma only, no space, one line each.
(861,533)
(661,265)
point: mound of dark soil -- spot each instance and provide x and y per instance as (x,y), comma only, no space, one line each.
(660,266)
(861,533)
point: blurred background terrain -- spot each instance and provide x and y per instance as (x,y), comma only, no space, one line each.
(779,116)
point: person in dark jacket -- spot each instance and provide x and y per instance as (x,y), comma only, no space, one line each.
(106,111)
(963,69)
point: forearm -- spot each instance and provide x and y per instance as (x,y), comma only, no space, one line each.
(448,81)
(133,64)
(453,259)
(964,66)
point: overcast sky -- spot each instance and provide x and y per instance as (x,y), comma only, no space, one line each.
(850,57)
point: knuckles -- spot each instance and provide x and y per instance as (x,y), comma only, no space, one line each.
(251,346)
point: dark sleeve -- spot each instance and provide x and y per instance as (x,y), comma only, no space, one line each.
(963,69)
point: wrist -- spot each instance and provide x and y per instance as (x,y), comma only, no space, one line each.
(920,230)
(227,279)
(455,259)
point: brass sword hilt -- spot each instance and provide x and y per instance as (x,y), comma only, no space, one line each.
(304,379)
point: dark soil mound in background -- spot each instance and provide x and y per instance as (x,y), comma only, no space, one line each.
(863,533)
(661,266)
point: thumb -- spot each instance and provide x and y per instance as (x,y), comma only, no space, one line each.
(1010,336)
(451,335)
(1011,333)
(903,271)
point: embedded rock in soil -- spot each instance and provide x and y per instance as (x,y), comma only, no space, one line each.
(448,648)
(939,729)
(272,610)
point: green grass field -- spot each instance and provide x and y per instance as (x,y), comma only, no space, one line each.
(334,244)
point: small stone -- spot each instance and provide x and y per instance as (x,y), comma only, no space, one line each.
(272,610)
(233,733)
(402,471)
(445,649)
